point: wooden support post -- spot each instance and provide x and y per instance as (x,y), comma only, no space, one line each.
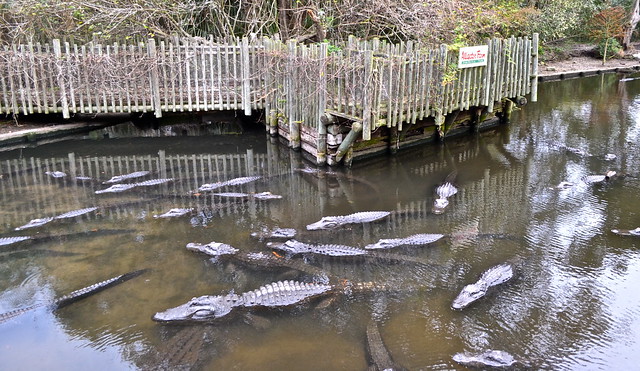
(246,80)
(507,109)
(367,94)
(63,91)
(356,129)
(321,91)
(155,83)
(440,125)
(476,116)
(294,134)
(273,123)
(393,140)
(534,68)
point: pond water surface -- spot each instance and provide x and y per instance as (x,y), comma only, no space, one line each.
(573,303)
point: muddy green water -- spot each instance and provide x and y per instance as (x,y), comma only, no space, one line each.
(573,305)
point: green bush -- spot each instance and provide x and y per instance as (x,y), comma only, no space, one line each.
(612,47)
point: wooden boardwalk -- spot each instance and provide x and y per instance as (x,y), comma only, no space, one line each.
(302,89)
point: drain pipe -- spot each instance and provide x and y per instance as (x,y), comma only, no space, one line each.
(356,129)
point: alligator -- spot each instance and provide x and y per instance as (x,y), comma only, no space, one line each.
(496,275)
(444,191)
(627,232)
(74,213)
(116,188)
(254,259)
(378,354)
(35,223)
(75,296)
(489,359)
(120,178)
(11,240)
(413,240)
(273,295)
(174,213)
(563,185)
(590,179)
(274,233)
(331,222)
(231,182)
(125,187)
(42,221)
(277,294)
(257,196)
(152,182)
(4,241)
(294,247)
(56,174)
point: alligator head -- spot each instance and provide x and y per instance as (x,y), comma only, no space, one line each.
(491,358)
(290,246)
(439,205)
(212,248)
(326,222)
(627,232)
(330,222)
(200,309)
(469,294)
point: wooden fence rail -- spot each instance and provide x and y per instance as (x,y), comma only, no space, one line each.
(371,82)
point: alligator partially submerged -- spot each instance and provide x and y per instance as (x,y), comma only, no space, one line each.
(5,241)
(254,259)
(14,239)
(443,192)
(489,359)
(120,178)
(273,295)
(590,179)
(76,295)
(42,221)
(274,233)
(294,247)
(496,275)
(116,188)
(279,294)
(232,182)
(56,174)
(174,213)
(413,240)
(257,196)
(627,232)
(377,352)
(331,222)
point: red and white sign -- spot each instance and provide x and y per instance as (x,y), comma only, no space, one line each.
(473,56)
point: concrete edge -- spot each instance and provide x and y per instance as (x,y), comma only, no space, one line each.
(34,135)
(586,73)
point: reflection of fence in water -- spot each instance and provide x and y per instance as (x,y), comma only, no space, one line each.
(43,195)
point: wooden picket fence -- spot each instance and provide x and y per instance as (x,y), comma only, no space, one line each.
(372,82)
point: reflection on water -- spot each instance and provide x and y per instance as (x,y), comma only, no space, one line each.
(572,305)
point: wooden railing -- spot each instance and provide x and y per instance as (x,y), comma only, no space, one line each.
(372,82)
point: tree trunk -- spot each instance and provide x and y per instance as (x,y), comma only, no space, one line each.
(631,26)
(284,8)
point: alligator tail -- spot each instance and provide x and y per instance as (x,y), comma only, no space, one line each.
(95,288)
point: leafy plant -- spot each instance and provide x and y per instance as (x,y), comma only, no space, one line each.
(609,48)
(605,26)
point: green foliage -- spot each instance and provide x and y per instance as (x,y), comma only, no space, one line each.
(609,48)
(559,19)
(450,74)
